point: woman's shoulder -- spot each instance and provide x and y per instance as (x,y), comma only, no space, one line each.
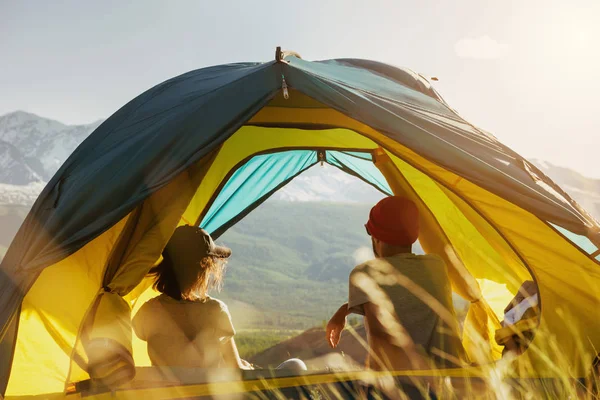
(149,306)
(207,304)
(147,309)
(216,304)
(209,308)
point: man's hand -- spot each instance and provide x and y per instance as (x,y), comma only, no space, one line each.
(336,325)
(246,365)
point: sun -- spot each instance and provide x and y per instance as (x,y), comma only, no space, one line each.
(581,37)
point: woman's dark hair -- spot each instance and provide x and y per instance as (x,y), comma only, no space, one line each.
(196,282)
(166,281)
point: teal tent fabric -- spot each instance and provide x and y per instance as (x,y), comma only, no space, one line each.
(253,183)
(360,165)
(581,241)
(262,175)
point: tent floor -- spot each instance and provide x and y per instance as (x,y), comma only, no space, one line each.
(167,382)
(228,383)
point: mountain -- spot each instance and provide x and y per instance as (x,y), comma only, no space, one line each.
(584,190)
(44,142)
(327,183)
(32,148)
(15,168)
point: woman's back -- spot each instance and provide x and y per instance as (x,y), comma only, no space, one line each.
(184,333)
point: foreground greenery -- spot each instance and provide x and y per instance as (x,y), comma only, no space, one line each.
(251,342)
(546,371)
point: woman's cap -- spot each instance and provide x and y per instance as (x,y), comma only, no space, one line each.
(193,244)
(394,220)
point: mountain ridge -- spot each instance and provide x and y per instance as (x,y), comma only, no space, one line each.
(37,144)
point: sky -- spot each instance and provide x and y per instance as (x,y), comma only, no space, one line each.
(527,71)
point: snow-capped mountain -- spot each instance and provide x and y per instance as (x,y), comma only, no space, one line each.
(15,168)
(327,183)
(42,141)
(32,148)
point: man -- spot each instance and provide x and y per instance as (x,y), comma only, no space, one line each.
(406,299)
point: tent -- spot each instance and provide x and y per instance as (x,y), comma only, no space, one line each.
(208,146)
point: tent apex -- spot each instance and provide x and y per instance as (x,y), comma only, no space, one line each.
(280,55)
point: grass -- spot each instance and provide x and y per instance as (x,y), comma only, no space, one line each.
(251,342)
(513,377)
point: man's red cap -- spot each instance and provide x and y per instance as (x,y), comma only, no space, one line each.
(394,220)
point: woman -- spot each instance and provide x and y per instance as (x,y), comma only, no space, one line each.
(184,326)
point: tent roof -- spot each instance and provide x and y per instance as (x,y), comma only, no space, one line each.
(163,131)
(171,127)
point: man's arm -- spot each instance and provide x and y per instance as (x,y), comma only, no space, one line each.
(336,325)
